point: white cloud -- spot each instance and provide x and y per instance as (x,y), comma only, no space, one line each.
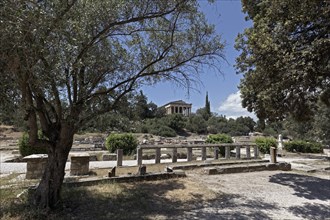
(232,107)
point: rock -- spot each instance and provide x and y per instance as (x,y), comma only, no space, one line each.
(142,170)
(284,166)
(210,171)
(168,169)
(112,172)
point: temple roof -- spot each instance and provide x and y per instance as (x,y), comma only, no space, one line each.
(178,102)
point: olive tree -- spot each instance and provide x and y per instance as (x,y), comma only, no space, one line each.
(72,60)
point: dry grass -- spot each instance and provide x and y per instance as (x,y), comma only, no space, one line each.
(162,199)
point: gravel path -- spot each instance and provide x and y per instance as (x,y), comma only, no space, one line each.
(265,195)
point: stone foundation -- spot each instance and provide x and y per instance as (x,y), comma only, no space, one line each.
(35,166)
(79,165)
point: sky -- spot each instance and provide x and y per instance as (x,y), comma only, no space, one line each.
(224,96)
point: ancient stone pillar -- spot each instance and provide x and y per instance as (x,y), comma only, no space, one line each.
(119,157)
(227,152)
(216,153)
(273,155)
(139,156)
(238,152)
(280,142)
(174,155)
(157,157)
(256,152)
(189,153)
(203,153)
(248,152)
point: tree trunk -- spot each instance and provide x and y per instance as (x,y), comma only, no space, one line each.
(47,194)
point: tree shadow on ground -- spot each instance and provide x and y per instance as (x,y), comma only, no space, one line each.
(164,199)
(229,206)
(150,200)
(310,211)
(308,187)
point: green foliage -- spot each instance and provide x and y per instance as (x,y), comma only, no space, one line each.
(162,130)
(285,58)
(160,126)
(25,149)
(76,60)
(219,138)
(265,143)
(196,124)
(303,147)
(127,142)
(174,121)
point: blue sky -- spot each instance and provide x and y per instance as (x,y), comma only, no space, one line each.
(229,20)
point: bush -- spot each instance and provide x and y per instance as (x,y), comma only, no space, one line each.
(163,131)
(303,147)
(127,142)
(25,149)
(264,144)
(157,127)
(196,124)
(219,138)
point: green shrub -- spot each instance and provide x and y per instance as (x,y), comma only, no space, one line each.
(196,124)
(127,142)
(219,138)
(25,149)
(264,144)
(303,147)
(163,131)
(157,127)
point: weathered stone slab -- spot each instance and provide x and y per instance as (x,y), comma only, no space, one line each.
(210,171)
(79,164)
(36,164)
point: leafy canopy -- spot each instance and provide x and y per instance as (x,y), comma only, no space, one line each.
(74,60)
(284,57)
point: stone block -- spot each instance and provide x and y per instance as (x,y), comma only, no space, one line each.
(284,166)
(210,171)
(109,157)
(36,164)
(79,164)
(168,169)
(112,172)
(142,170)
(271,166)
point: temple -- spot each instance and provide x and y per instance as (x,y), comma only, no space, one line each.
(178,107)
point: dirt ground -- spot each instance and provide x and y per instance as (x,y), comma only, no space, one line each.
(254,195)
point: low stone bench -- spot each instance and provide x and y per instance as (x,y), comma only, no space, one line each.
(79,164)
(35,166)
